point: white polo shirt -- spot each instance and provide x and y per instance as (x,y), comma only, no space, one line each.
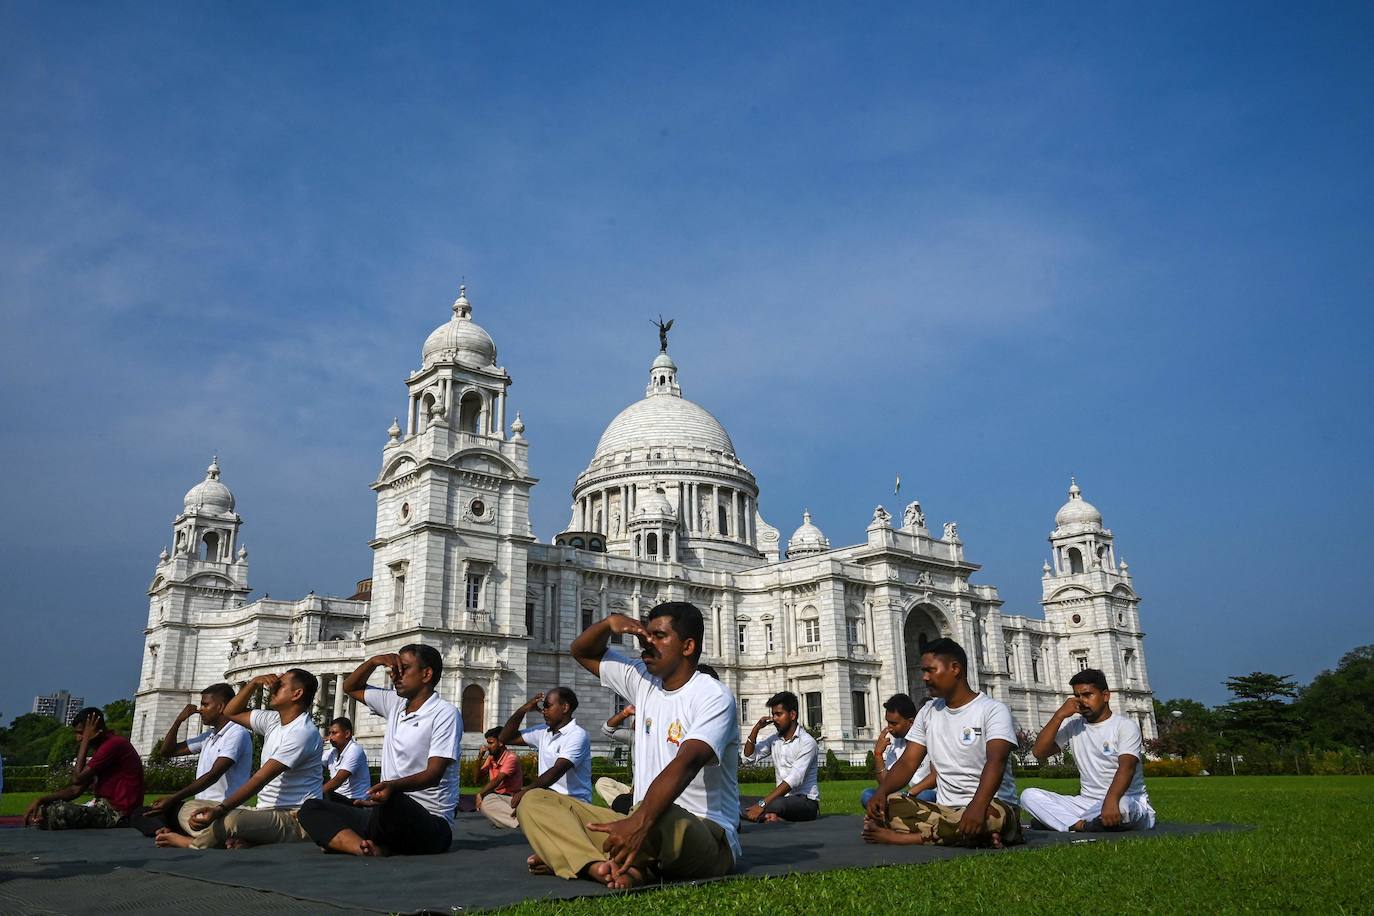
(299,746)
(957,743)
(569,743)
(896,747)
(230,740)
(354,760)
(433,730)
(1097,750)
(795,762)
(703,709)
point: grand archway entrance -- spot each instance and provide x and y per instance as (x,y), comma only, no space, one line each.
(920,628)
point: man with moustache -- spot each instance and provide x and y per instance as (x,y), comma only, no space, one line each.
(564,748)
(410,812)
(289,775)
(349,777)
(796,759)
(504,778)
(684,823)
(1107,751)
(223,763)
(969,737)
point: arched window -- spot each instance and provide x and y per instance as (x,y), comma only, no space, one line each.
(651,544)
(474,709)
(209,546)
(723,525)
(470,413)
(1075,560)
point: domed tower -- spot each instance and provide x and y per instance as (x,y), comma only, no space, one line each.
(205,573)
(807,540)
(666,465)
(452,497)
(1088,596)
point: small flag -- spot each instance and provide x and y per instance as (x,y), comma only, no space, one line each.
(897,490)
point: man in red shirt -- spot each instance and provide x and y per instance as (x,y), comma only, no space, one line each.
(501,768)
(113,774)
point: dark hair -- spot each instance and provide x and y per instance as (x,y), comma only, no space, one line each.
(902,705)
(948,649)
(494,733)
(1090,676)
(708,671)
(786,699)
(308,683)
(343,722)
(687,622)
(223,691)
(428,657)
(566,695)
(79,720)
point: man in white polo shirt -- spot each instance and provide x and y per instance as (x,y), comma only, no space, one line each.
(410,812)
(1107,751)
(224,760)
(684,823)
(796,762)
(564,748)
(969,737)
(349,778)
(289,774)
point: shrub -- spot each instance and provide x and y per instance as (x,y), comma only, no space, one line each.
(1187,766)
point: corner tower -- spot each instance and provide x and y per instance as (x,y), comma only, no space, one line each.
(1089,598)
(449,555)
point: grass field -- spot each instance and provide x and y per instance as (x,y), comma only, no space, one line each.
(1311,850)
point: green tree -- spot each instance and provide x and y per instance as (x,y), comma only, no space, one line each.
(27,740)
(1258,714)
(119,716)
(1337,708)
(1190,733)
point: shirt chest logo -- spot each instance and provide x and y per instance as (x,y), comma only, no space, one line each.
(969,735)
(676,733)
(1109,749)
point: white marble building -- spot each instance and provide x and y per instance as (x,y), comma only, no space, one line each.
(664,510)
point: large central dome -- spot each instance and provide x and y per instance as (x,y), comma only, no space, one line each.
(664,418)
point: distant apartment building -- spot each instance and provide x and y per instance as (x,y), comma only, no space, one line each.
(61,706)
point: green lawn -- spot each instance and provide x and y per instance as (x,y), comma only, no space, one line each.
(16,802)
(1311,851)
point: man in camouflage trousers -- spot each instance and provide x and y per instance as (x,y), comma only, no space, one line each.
(113,774)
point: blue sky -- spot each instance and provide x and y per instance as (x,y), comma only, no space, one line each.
(985,248)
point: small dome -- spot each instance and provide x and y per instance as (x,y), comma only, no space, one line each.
(210,495)
(664,361)
(1077,511)
(460,339)
(655,506)
(807,539)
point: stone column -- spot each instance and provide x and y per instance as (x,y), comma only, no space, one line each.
(339,695)
(501,401)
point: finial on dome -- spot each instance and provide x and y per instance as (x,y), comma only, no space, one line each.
(164,556)
(461,306)
(243,552)
(518,427)
(1074,492)
(394,431)
(806,516)
(1045,569)
(212,472)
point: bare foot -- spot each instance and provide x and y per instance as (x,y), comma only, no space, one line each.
(996,840)
(371,849)
(537,866)
(167,838)
(238,843)
(1079,826)
(603,873)
(874,832)
(772,819)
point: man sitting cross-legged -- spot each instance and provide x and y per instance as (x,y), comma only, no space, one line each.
(289,774)
(1106,749)
(899,712)
(565,752)
(969,737)
(618,796)
(349,778)
(410,812)
(796,763)
(224,761)
(108,767)
(501,768)
(684,821)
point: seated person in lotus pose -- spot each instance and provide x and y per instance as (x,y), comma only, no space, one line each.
(108,767)
(615,793)
(223,762)
(684,823)
(900,714)
(796,762)
(565,752)
(349,778)
(289,775)
(969,737)
(1107,750)
(499,766)
(410,812)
